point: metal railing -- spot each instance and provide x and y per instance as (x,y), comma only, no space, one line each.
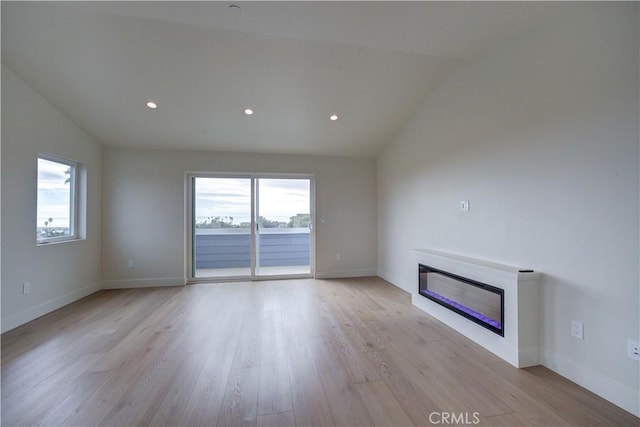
(230,248)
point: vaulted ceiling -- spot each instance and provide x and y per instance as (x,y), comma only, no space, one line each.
(294,63)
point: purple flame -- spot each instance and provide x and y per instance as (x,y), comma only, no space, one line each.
(465,309)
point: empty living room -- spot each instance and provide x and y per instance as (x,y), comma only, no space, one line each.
(320,213)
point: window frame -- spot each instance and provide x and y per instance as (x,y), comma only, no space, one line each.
(73,199)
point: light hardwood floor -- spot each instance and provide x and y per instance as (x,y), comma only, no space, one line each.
(349,352)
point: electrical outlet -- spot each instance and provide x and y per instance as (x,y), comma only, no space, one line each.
(577,330)
(26,288)
(339,257)
(633,349)
(464,205)
(130,264)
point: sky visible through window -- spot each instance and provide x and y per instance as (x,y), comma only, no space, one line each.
(230,198)
(54,194)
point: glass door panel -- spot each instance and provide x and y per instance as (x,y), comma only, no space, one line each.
(283,217)
(221,227)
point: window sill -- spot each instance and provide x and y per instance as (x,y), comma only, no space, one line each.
(57,242)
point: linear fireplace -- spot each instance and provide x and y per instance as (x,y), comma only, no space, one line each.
(511,319)
(478,302)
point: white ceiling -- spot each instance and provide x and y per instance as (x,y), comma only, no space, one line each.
(294,63)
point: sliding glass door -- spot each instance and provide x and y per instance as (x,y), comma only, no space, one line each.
(251,226)
(221,227)
(283,237)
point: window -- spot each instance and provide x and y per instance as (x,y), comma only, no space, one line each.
(56,199)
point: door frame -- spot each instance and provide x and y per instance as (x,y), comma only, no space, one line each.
(190,229)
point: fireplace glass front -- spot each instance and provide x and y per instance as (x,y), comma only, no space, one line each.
(478,302)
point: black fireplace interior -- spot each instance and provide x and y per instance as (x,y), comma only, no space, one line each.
(478,302)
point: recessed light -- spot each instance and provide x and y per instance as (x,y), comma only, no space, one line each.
(234,8)
(333,117)
(152,105)
(248,111)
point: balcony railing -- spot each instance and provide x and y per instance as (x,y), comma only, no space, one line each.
(231,247)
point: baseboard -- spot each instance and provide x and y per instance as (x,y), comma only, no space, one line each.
(46,307)
(611,390)
(529,356)
(395,281)
(144,283)
(337,274)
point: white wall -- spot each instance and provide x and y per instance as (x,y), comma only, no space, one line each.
(145,210)
(541,136)
(58,273)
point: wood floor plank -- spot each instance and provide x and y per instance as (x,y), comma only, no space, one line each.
(357,366)
(310,406)
(469,389)
(281,419)
(274,395)
(393,327)
(240,402)
(301,352)
(80,390)
(427,379)
(346,291)
(416,405)
(506,420)
(144,395)
(215,322)
(458,345)
(305,307)
(214,328)
(350,318)
(518,399)
(129,348)
(42,355)
(308,397)
(344,401)
(382,406)
(64,320)
(248,348)
(172,402)
(33,405)
(105,399)
(205,399)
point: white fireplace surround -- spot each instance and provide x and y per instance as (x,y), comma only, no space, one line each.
(520,345)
